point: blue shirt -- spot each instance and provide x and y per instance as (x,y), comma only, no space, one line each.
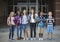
(41,21)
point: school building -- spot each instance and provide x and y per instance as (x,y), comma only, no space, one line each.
(39,5)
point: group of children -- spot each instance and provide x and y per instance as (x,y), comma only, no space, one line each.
(21,22)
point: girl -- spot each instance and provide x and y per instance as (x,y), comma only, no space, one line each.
(10,22)
(25,24)
(50,21)
(32,24)
(19,25)
(41,20)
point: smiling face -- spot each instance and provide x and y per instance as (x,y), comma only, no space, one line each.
(32,11)
(41,13)
(18,12)
(11,14)
(25,12)
(50,13)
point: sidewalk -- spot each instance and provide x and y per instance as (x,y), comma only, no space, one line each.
(4,32)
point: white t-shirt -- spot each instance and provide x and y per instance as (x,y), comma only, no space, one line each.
(32,19)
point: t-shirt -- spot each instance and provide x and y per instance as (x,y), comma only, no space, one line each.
(33,20)
(24,19)
(12,20)
(50,21)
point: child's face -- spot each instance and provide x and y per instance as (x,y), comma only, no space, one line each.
(12,14)
(18,12)
(25,12)
(50,13)
(41,13)
(32,11)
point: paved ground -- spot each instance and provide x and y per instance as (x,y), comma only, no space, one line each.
(5,31)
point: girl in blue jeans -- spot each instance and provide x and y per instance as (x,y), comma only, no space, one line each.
(10,22)
(19,25)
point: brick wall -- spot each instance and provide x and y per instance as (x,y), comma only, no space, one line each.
(57,12)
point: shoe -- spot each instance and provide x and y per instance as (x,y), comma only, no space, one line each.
(27,38)
(9,39)
(24,39)
(21,38)
(41,38)
(31,38)
(18,38)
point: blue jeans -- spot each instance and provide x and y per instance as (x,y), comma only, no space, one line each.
(19,30)
(11,32)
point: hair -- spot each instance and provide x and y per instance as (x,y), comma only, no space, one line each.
(10,13)
(40,13)
(33,13)
(25,10)
(17,12)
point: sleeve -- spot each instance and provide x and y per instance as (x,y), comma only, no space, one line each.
(29,16)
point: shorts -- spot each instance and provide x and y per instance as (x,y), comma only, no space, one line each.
(41,25)
(49,28)
(40,30)
(25,26)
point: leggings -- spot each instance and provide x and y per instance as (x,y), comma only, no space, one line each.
(33,29)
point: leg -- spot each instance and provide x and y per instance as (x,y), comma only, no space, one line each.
(31,30)
(17,31)
(10,33)
(42,31)
(13,28)
(34,30)
(25,29)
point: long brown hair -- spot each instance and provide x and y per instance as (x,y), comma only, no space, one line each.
(33,13)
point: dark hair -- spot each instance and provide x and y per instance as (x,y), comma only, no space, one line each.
(33,13)
(17,13)
(40,13)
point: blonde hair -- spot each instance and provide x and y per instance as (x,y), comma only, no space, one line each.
(11,14)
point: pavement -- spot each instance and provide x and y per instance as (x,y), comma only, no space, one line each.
(4,33)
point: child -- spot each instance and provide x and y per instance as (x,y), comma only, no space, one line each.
(50,21)
(10,22)
(32,20)
(19,25)
(25,24)
(41,20)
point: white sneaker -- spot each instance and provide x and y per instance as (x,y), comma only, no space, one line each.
(31,38)
(41,38)
(24,39)
(27,38)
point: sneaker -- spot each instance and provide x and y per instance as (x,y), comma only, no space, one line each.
(31,38)
(24,39)
(21,38)
(41,38)
(18,38)
(27,38)
(9,39)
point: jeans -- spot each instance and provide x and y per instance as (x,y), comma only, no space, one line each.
(19,30)
(11,31)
